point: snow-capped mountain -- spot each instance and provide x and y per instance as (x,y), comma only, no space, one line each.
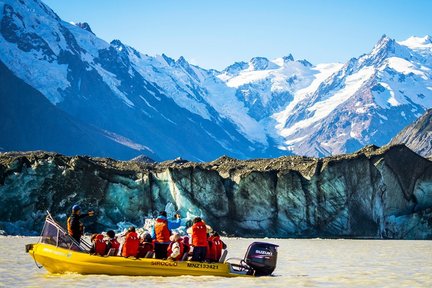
(368,101)
(150,104)
(165,108)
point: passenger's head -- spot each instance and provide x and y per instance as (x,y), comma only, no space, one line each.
(111,234)
(93,237)
(174,237)
(197,219)
(76,209)
(215,234)
(131,229)
(147,237)
(163,213)
(186,240)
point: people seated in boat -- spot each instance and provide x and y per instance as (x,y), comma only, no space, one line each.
(131,244)
(74,226)
(99,245)
(186,245)
(112,243)
(162,232)
(216,245)
(199,240)
(175,248)
(146,245)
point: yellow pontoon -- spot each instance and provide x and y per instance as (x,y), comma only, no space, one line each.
(57,252)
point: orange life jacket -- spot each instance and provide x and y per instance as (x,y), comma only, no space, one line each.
(199,235)
(161,230)
(179,257)
(99,245)
(131,245)
(74,226)
(217,246)
(114,244)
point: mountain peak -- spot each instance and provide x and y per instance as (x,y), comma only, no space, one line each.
(118,45)
(182,62)
(414,42)
(84,26)
(288,58)
(168,59)
(259,63)
(235,68)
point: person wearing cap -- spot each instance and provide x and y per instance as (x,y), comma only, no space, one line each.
(175,248)
(162,232)
(74,226)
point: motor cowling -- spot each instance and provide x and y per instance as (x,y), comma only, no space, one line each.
(262,257)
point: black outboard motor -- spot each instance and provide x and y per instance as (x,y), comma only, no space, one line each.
(262,257)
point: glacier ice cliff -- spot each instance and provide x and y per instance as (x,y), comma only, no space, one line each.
(373,193)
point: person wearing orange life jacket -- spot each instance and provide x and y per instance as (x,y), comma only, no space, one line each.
(131,244)
(162,232)
(175,248)
(112,243)
(74,226)
(199,240)
(216,247)
(98,244)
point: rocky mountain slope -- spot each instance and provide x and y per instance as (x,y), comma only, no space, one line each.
(167,108)
(376,193)
(33,122)
(417,136)
(148,104)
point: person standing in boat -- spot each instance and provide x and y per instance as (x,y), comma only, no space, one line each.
(162,232)
(199,240)
(74,226)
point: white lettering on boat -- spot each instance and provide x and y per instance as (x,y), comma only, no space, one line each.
(262,252)
(161,263)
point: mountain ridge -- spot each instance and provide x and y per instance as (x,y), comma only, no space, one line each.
(260,108)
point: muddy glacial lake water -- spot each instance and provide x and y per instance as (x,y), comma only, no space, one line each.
(301,263)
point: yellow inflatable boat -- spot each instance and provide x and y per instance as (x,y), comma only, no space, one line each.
(57,252)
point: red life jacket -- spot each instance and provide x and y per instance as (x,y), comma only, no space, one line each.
(115,244)
(179,257)
(99,245)
(186,247)
(210,250)
(161,230)
(217,246)
(199,235)
(144,248)
(131,244)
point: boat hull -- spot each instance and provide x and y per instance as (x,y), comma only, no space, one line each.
(60,260)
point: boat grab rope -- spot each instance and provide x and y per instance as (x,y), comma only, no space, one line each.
(34,258)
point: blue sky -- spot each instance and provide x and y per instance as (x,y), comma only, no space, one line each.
(215,34)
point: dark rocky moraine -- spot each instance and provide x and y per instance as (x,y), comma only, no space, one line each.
(373,193)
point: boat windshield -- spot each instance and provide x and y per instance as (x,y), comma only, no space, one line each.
(54,234)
